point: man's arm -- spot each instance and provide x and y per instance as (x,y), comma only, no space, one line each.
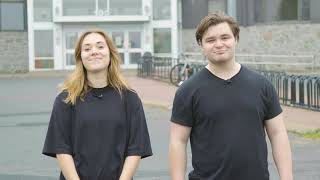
(179,136)
(129,168)
(281,150)
(67,166)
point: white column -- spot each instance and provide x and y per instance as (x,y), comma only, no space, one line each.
(57,36)
(232,6)
(30,35)
(174,28)
(58,47)
(147,28)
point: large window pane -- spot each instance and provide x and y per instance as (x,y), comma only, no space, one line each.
(134,58)
(277,10)
(71,39)
(161,10)
(134,39)
(12,16)
(118,39)
(79,7)
(122,58)
(103,8)
(43,48)
(125,7)
(162,40)
(42,10)
(71,59)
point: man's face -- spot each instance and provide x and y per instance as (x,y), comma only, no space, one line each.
(218,43)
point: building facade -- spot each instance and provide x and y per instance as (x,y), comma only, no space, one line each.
(41,34)
(13,36)
(136,26)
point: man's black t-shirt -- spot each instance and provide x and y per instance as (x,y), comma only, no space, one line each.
(227,119)
(99,132)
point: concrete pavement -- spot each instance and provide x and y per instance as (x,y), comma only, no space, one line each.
(26,103)
(161,94)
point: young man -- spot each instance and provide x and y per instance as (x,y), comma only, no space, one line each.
(225,109)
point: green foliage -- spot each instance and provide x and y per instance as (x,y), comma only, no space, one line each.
(313,134)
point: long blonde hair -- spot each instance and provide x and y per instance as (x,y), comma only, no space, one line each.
(77,84)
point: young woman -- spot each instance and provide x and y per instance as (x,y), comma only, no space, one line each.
(97,128)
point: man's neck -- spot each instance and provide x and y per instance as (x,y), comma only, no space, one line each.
(224,70)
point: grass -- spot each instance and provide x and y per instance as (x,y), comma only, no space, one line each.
(312,134)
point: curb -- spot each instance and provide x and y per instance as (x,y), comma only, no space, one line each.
(166,106)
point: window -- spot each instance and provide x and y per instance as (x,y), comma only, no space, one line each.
(134,39)
(125,7)
(43,49)
(278,10)
(79,7)
(161,10)
(162,40)
(42,10)
(134,58)
(13,16)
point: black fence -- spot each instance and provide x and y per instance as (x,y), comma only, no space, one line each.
(293,90)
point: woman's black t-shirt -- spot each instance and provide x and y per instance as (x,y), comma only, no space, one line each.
(99,131)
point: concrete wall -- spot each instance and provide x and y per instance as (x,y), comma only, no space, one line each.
(287,47)
(13,52)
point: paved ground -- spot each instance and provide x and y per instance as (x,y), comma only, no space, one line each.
(26,103)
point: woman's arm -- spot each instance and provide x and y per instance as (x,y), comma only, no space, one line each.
(67,166)
(129,168)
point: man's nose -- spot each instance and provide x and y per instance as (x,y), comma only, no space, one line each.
(218,43)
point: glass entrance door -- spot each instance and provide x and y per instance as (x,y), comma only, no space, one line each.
(129,46)
(128,43)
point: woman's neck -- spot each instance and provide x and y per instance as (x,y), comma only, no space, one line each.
(97,80)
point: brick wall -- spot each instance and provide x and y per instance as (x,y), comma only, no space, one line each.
(13,52)
(288,46)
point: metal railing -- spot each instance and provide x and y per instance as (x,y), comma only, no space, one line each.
(294,90)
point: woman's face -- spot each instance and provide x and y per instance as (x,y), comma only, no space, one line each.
(95,53)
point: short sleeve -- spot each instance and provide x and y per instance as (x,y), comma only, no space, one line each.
(273,104)
(182,109)
(139,140)
(58,138)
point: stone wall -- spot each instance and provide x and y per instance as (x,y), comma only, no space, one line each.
(286,47)
(14,52)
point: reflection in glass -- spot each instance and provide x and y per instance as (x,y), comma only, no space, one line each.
(277,10)
(125,7)
(134,58)
(70,59)
(103,8)
(135,39)
(42,10)
(71,39)
(43,43)
(121,58)
(162,40)
(161,10)
(79,7)
(12,16)
(118,39)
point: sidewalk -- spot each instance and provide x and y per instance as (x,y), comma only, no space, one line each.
(161,94)
(157,93)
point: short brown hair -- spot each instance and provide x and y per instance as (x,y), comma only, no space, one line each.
(215,19)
